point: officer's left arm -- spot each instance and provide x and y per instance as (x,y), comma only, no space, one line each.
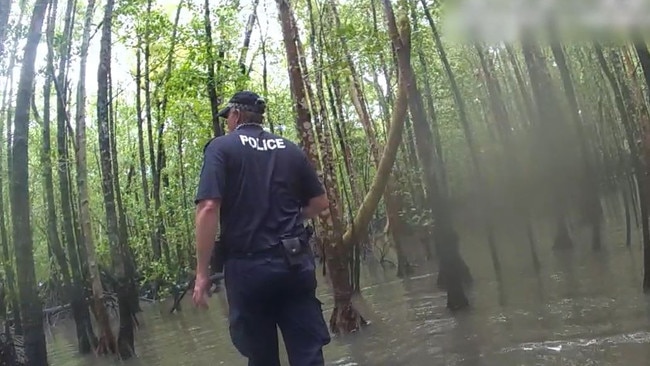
(208,204)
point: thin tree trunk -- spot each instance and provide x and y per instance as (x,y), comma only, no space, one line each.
(71,290)
(8,262)
(501,119)
(155,243)
(265,86)
(63,155)
(525,96)
(107,340)
(635,156)
(30,304)
(121,212)
(125,342)
(644,58)
(549,124)
(5,10)
(590,200)
(212,83)
(486,206)
(247,37)
(9,291)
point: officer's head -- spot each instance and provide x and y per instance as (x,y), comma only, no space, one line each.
(244,107)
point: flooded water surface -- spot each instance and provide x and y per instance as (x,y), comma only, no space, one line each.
(583,308)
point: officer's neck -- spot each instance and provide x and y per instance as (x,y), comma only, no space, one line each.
(246,125)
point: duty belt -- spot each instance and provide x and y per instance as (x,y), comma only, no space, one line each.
(274,250)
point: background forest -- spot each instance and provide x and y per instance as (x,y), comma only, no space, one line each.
(106,107)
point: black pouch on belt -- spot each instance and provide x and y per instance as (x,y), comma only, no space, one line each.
(292,251)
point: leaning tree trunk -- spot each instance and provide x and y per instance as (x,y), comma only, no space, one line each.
(396,224)
(30,304)
(125,346)
(401,42)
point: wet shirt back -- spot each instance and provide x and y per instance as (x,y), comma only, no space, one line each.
(263,181)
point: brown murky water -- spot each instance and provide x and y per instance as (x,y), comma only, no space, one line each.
(584,308)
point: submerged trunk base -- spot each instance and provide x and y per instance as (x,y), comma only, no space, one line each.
(563,238)
(454,273)
(404,268)
(85,335)
(453,281)
(596,235)
(346,319)
(456,299)
(106,345)
(125,339)
(466,278)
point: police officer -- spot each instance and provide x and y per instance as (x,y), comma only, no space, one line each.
(261,188)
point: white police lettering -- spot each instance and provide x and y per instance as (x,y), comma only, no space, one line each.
(263,144)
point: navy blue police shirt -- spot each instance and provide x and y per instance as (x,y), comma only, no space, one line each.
(263,181)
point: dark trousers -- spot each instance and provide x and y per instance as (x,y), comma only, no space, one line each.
(263,294)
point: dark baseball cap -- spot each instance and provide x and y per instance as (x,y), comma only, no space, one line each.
(246,101)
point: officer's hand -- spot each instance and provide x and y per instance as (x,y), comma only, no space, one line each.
(201,287)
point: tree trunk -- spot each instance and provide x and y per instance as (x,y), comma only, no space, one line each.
(590,200)
(525,96)
(10,294)
(155,243)
(130,266)
(397,226)
(212,83)
(551,149)
(125,347)
(107,340)
(638,169)
(343,313)
(5,10)
(644,58)
(486,206)
(141,155)
(345,318)
(501,119)
(30,304)
(72,290)
(63,156)
(247,38)
(8,263)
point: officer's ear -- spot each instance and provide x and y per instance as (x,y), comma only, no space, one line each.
(236,114)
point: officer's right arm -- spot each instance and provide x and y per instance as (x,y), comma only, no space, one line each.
(313,194)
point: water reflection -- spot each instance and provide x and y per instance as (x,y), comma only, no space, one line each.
(582,308)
